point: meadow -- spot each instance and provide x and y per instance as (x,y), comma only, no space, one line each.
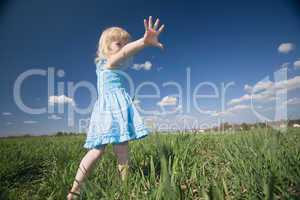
(255,164)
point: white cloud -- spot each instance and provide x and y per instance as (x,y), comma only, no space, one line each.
(248,88)
(54,117)
(285,65)
(60,100)
(146,66)
(209,112)
(286,48)
(232,110)
(238,108)
(30,122)
(6,113)
(167,101)
(219,114)
(292,101)
(266,90)
(297,64)
(264,96)
(177,109)
(289,84)
(262,85)
(168,112)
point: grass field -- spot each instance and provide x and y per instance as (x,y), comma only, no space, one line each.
(256,164)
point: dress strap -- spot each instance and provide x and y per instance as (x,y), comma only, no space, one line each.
(100,64)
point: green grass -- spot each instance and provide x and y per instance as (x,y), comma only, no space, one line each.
(257,164)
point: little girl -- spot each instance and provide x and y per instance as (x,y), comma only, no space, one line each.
(114,118)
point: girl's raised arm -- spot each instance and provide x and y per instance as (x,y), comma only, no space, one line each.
(150,38)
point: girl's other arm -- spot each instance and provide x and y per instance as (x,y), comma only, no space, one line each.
(150,38)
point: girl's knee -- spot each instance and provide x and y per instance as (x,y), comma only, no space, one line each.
(121,148)
(97,152)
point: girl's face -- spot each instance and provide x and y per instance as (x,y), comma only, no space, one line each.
(116,46)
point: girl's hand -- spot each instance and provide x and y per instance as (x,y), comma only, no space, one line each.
(151,33)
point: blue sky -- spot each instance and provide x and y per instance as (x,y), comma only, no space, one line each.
(219,42)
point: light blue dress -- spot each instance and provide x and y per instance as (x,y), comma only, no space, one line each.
(114,117)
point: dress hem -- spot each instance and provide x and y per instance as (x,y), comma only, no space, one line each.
(103,140)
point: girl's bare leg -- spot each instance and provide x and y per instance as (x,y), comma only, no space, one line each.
(86,166)
(121,151)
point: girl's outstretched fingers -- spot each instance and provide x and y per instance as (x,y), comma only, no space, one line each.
(145,24)
(161,28)
(150,22)
(156,24)
(161,46)
(152,32)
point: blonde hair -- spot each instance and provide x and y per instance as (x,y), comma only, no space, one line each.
(107,37)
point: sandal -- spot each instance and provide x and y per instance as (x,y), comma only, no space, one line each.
(75,195)
(123,171)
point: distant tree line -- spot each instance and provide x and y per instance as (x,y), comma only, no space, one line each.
(248,126)
(67,133)
(223,127)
